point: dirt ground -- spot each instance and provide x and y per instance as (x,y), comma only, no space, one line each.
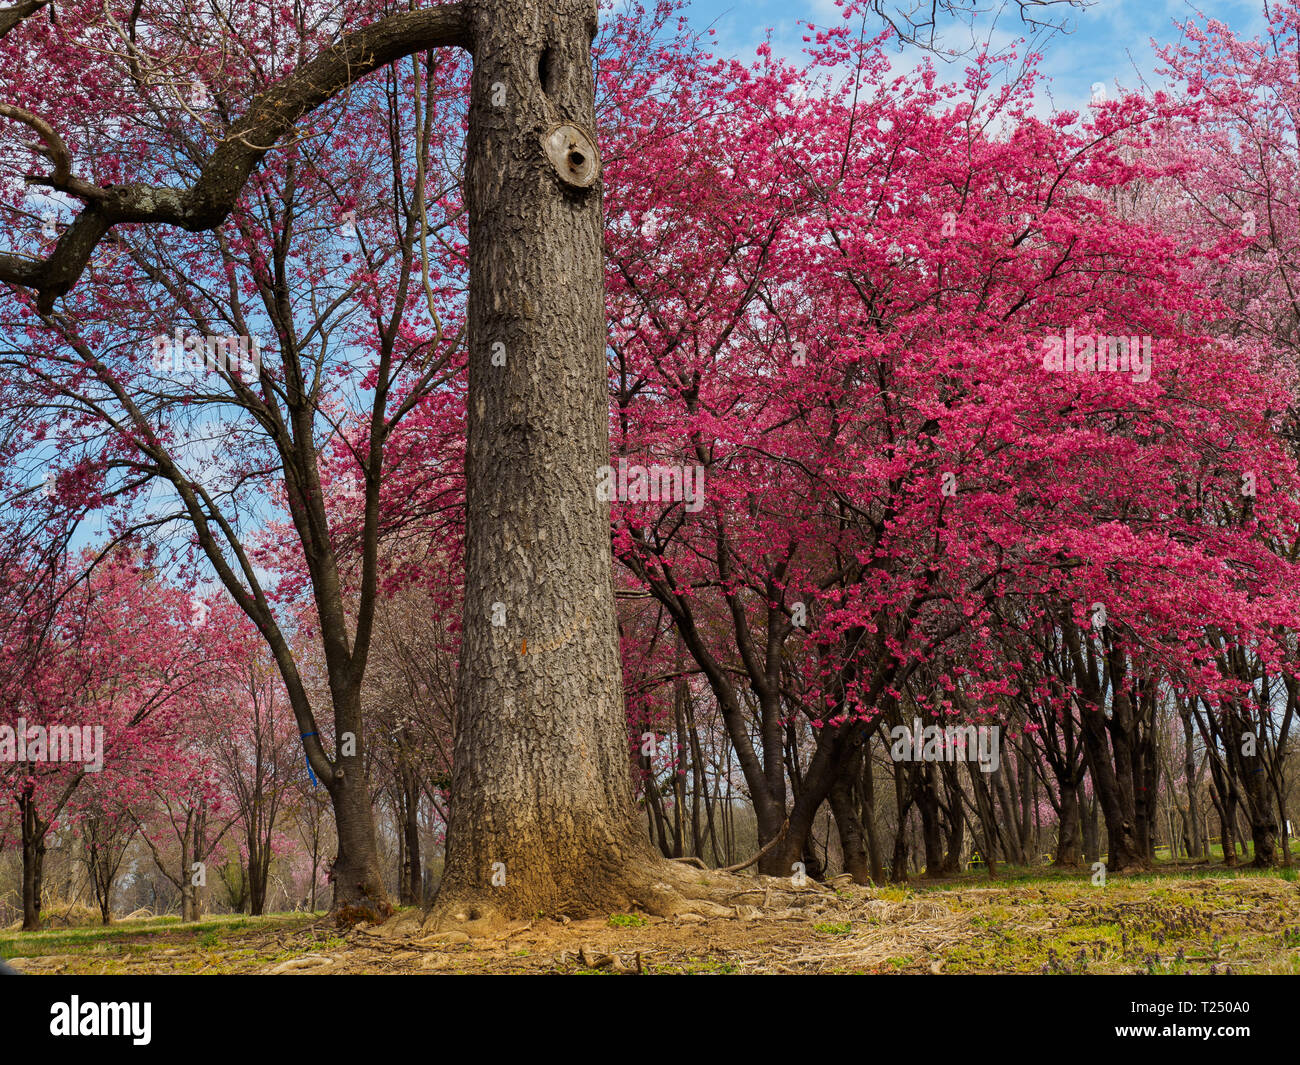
(1197,924)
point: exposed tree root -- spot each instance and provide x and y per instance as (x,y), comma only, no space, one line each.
(661,888)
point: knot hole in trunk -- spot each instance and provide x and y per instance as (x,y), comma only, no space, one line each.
(573,155)
(546,70)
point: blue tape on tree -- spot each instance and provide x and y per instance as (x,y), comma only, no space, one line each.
(314,782)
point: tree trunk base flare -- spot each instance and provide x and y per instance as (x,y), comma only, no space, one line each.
(359,895)
(858,866)
(1125,856)
(655,886)
(359,892)
(1264,839)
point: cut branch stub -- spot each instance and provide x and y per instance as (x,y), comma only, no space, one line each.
(572,151)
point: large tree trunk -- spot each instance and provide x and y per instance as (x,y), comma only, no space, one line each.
(543,819)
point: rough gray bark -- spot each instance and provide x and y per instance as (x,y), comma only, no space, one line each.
(543,799)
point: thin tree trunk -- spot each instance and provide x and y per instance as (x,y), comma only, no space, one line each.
(1070,824)
(33,866)
(857,862)
(927,802)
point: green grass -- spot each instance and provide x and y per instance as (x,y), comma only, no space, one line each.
(1015,876)
(213,942)
(698,967)
(61,940)
(1055,925)
(626,920)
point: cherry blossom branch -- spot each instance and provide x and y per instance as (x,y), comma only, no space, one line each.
(53,147)
(209,201)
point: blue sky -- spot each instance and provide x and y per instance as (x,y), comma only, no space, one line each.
(1110,40)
